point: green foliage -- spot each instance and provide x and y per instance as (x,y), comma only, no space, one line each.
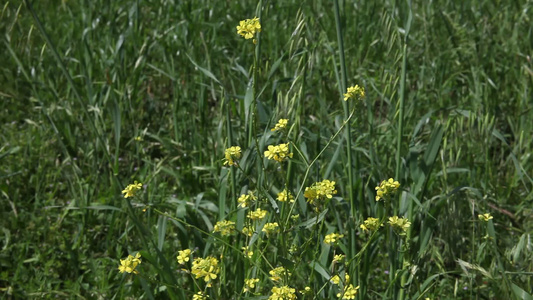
(98,94)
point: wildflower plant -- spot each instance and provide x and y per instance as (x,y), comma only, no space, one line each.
(386,189)
(130,264)
(248,28)
(278,153)
(231,155)
(132,189)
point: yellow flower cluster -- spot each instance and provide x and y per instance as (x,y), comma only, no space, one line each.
(349,292)
(332,238)
(339,258)
(276,274)
(247,252)
(248,230)
(282,123)
(131,189)
(278,153)
(231,155)
(320,191)
(249,284)
(206,268)
(285,196)
(399,225)
(283,293)
(258,214)
(129,264)
(354,92)
(386,188)
(248,28)
(183,256)
(245,199)
(370,224)
(485,217)
(336,279)
(199,296)
(225,227)
(271,228)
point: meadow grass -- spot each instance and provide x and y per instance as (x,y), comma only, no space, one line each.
(99,94)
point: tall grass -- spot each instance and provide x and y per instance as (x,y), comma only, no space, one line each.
(98,94)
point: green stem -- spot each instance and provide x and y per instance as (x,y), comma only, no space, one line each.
(399,289)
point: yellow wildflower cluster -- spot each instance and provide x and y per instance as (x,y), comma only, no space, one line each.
(354,92)
(248,230)
(336,279)
(258,214)
(131,189)
(285,196)
(247,252)
(225,227)
(276,274)
(206,268)
(386,188)
(332,238)
(129,264)
(249,284)
(370,224)
(246,199)
(231,155)
(200,296)
(271,228)
(183,256)
(278,153)
(349,292)
(485,217)
(339,258)
(283,293)
(399,225)
(320,191)
(248,28)
(282,123)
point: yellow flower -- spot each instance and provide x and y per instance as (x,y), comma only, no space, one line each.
(249,284)
(248,230)
(258,214)
(370,224)
(199,296)
(386,188)
(271,228)
(247,252)
(335,279)
(485,217)
(206,268)
(129,264)
(354,92)
(306,290)
(183,256)
(276,274)
(349,292)
(282,123)
(225,227)
(278,153)
(245,199)
(132,189)
(399,225)
(283,293)
(332,238)
(319,192)
(285,196)
(248,28)
(339,258)
(231,154)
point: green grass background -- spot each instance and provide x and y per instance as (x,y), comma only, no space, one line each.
(77,91)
